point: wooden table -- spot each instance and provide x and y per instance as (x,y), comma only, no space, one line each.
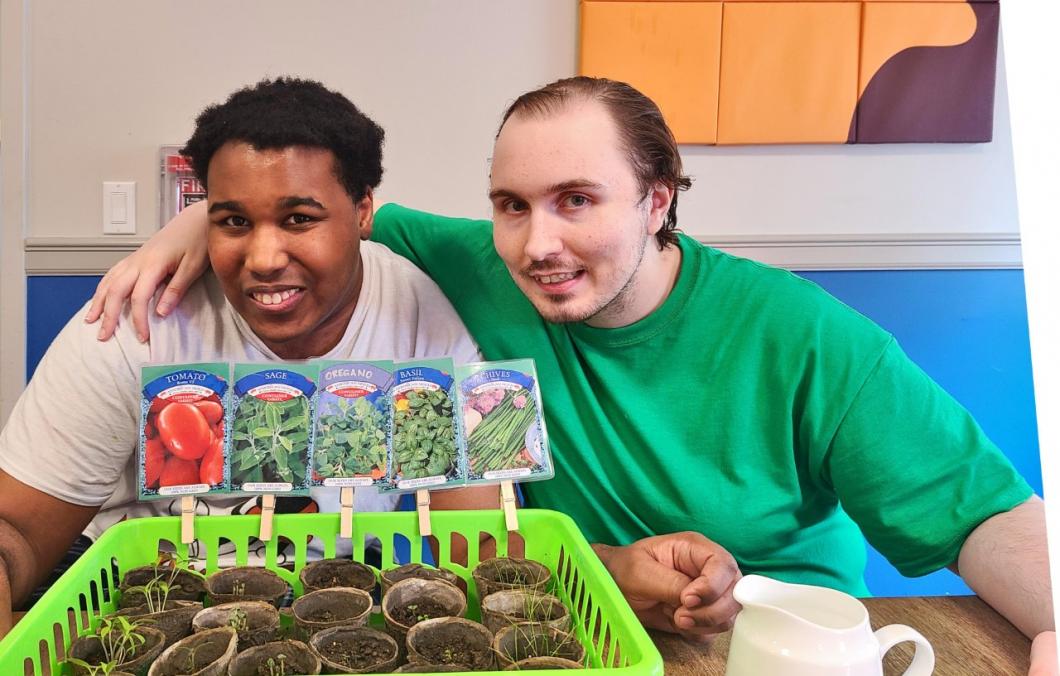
(968,636)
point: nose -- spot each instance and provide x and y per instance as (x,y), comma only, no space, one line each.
(266,253)
(543,236)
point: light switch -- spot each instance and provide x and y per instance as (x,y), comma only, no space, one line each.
(119,207)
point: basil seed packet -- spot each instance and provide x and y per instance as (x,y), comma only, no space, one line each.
(271,427)
(503,426)
(181,449)
(424,450)
(351,423)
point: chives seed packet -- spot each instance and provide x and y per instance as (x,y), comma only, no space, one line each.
(182,430)
(424,448)
(272,416)
(503,427)
(351,423)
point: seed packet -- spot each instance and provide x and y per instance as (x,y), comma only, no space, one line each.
(272,416)
(503,427)
(351,423)
(182,430)
(424,447)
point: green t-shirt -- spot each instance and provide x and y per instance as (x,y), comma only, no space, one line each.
(748,407)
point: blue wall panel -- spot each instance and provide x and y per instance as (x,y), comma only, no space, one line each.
(50,303)
(966,328)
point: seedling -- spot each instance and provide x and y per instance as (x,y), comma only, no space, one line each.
(539,643)
(239,588)
(155,591)
(101,669)
(238,619)
(190,665)
(119,639)
(167,568)
(277,666)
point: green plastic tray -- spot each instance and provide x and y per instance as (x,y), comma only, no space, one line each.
(604,623)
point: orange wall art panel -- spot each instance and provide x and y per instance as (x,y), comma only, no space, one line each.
(805,71)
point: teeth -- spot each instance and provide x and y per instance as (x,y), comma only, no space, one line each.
(555,279)
(273,298)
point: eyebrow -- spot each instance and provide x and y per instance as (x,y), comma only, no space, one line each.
(292,202)
(284,203)
(230,205)
(573,184)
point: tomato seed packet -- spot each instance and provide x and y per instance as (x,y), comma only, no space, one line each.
(351,423)
(272,416)
(503,427)
(425,449)
(183,414)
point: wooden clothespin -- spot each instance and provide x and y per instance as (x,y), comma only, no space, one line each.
(511,518)
(346,512)
(268,507)
(187,519)
(423,506)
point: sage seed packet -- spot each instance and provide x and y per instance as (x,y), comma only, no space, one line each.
(271,427)
(183,413)
(503,426)
(351,423)
(424,447)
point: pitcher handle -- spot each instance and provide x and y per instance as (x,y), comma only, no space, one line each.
(923,658)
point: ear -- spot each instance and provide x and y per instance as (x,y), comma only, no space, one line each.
(659,199)
(365,214)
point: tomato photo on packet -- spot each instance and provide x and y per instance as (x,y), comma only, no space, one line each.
(183,430)
(191,431)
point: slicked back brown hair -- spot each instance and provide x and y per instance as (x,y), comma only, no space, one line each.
(648,141)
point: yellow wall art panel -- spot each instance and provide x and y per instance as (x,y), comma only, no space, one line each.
(668,50)
(789,72)
(803,71)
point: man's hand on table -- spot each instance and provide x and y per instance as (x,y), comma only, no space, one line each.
(1043,655)
(680,583)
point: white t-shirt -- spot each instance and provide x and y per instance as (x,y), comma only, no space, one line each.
(73,432)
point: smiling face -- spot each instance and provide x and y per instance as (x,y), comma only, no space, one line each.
(284,241)
(571,221)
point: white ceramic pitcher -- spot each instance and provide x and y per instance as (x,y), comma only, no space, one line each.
(799,630)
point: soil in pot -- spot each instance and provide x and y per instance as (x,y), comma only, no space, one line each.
(184,585)
(337,573)
(90,649)
(246,583)
(279,658)
(501,574)
(412,613)
(414,600)
(451,640)
(505,608)
(542,663)
(532,639)
(355,650)
(204,654)
(330,608)
(174,620)
(255,622)
(416,570)
(431,668)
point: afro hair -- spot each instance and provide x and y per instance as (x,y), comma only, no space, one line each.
(288,112)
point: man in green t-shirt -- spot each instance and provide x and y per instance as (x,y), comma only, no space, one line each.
(708,414)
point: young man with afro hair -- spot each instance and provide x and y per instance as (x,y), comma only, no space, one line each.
(289,169)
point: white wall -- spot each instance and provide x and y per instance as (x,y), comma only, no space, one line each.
(91,89)
(111,80)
